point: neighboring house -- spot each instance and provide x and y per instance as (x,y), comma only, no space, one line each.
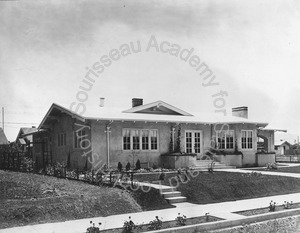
(148,132)
(3,139)
(284,148)
(24,139)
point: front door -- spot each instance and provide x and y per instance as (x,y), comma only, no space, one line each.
(193,142)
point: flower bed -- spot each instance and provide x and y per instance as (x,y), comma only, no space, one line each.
(169,224)
(267,210)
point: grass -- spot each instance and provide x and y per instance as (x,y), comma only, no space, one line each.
(294,169)
(224,186)
(32,199)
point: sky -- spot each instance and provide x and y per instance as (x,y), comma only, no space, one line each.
(252,48)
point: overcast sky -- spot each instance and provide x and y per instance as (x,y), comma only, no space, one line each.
(252,47)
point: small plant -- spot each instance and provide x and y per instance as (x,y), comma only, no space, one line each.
(128,226)
(162,175)
(271,166)
(287,205)
(206,217)
(180,220)
(120,167)
(138,165)
(128,166)
(156,224)
(93,228)
(272,206)
(255,174)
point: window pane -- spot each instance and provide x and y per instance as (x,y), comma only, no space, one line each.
(145,139)
(153,138)
(135,139)
(126,139)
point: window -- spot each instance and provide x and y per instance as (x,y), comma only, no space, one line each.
(225,139)
(145,139)
(126,139)
(135,139)
(78,137)
(140,139)
(153,135)
(247,139)
(61,139)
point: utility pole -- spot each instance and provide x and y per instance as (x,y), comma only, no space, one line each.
(3,118)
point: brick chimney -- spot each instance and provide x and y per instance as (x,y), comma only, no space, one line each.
(137,102)
(240,112)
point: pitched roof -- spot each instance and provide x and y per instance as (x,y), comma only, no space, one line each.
(26,132)
(3,139)
(142,113)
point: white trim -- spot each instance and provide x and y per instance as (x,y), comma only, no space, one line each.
(193,140)
(247,149)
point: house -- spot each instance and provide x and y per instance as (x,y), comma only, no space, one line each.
(3,139)
(285,148)
(24,139)
(156,133)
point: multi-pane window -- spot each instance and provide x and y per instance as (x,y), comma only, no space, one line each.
(145,139)
(247,139)
(126,139)
(140,139)
(225,139)
(135,139)
(153,137)
(188,139)
(61,139)
(79,141)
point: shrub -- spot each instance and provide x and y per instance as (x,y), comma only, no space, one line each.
(138,165)
(128,166)
(92,228)
(180,220)
(161,175)
(154,166)
(128,226)
(120,167)
(156,224)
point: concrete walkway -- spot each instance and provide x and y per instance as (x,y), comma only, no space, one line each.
(222,210)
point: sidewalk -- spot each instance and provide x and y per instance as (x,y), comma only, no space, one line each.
(223,210)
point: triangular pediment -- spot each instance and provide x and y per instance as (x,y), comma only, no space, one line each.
(158,108)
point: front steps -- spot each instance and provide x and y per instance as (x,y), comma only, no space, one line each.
(171,194)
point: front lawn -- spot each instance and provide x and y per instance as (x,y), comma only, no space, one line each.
(31,199)
(287,169)
(225,186)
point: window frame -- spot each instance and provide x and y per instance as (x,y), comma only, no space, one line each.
(148,145)
(226,138)
(77,139)
(61,139)
(247,138)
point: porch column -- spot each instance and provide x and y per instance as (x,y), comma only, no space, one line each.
(173,139)
(107,131)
